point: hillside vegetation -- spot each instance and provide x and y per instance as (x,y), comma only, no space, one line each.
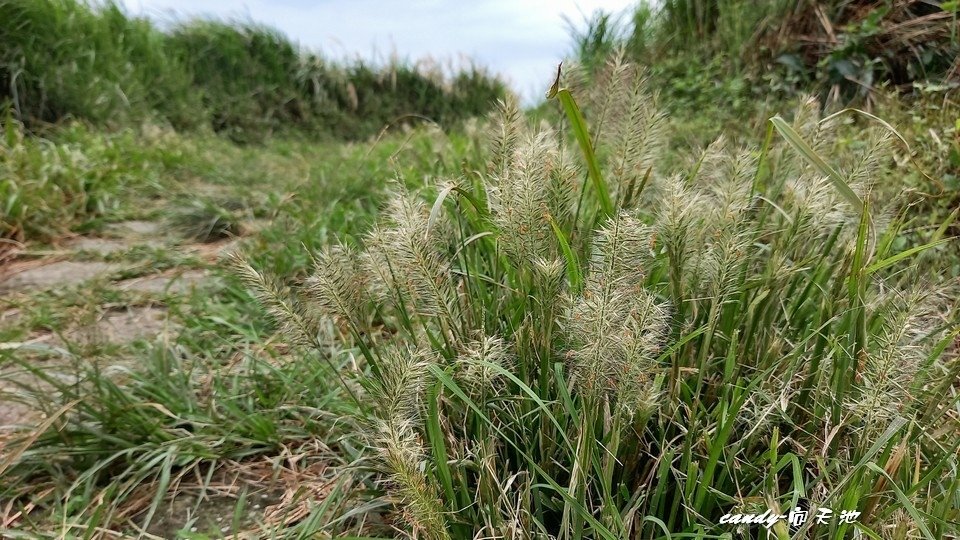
(67,59)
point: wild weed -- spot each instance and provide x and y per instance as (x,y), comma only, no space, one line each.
(584,345)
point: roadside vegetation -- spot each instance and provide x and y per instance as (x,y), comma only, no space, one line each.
(69,59)
(676,290)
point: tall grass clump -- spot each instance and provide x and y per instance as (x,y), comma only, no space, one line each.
(724,26)
(71,59)
(373,97)
(576,343)
(245,75)
(62,59)
(50,187)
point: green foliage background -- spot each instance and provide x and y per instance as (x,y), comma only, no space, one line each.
(62,59)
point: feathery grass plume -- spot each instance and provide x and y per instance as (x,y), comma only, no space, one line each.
(908,331)
(406,257)
(621,254)
(732,188)
(472,364)
(608,97)
(505,132)
(398,392)
(616,325)
(638,393)
(863,172)
(818,208)
(293,322)
(338,285)
(576,76)
(549,281)
(418,499)
(808,122)
(635,137)
(680,228)
(819,136)
(523,197)
(563,188)
(707,167)
(398,389)
(722,262)
(595,327)
(861,175)
(628,126)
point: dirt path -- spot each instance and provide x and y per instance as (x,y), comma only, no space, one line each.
(30,290)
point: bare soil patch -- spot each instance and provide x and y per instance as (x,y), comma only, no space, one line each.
(176,282)
(135,228)
(44,275)
(125,326)
(100,246)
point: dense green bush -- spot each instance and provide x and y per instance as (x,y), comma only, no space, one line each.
(64,59)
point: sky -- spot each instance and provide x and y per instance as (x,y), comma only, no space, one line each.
(521,40)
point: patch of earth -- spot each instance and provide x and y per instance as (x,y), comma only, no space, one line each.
(274,499)
(215,250)
(166,283)
(60,273)
(15,408)
(100,246)
(125,326)
(26,398)
(12,413)
(9,317)
(215,513)
(135,228)
(118,327)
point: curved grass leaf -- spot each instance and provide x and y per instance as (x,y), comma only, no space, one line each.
(579,125)
(810,155)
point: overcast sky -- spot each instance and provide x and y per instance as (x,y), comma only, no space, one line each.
(520,39)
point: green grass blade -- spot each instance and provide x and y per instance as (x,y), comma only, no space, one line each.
(601,530)
(794,139)
(894,259)
(574,275)
(904,500)
(437,446)
(580,131)
(437,207)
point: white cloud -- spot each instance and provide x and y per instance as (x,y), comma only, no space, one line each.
(520,39)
